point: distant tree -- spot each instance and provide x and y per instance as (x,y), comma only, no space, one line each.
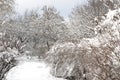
(52,24)
(6,8)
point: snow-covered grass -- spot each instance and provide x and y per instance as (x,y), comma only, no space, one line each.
(31,70)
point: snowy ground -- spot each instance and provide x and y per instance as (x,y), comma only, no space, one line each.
(31,70)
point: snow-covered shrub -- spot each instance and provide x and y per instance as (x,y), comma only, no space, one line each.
(10,48)
(6,63)
(95,58)
(66,59)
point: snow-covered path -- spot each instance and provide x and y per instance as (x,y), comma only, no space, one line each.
(31,70)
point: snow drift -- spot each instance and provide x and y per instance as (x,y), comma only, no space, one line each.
(31,70)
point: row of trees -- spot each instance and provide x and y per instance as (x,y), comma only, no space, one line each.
(47,28)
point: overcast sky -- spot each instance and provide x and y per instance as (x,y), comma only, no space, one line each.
(63,6)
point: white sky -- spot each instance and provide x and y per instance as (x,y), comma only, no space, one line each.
(63,6)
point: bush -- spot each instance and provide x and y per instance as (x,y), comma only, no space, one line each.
(10,48)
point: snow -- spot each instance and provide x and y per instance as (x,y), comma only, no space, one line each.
(31,70)
(110,16)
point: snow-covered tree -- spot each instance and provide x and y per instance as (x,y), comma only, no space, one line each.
(52,25)
(6,8)
(85,17)
(42,29)
(94,58)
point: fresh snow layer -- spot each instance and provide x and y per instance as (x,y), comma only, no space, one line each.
(31,71)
